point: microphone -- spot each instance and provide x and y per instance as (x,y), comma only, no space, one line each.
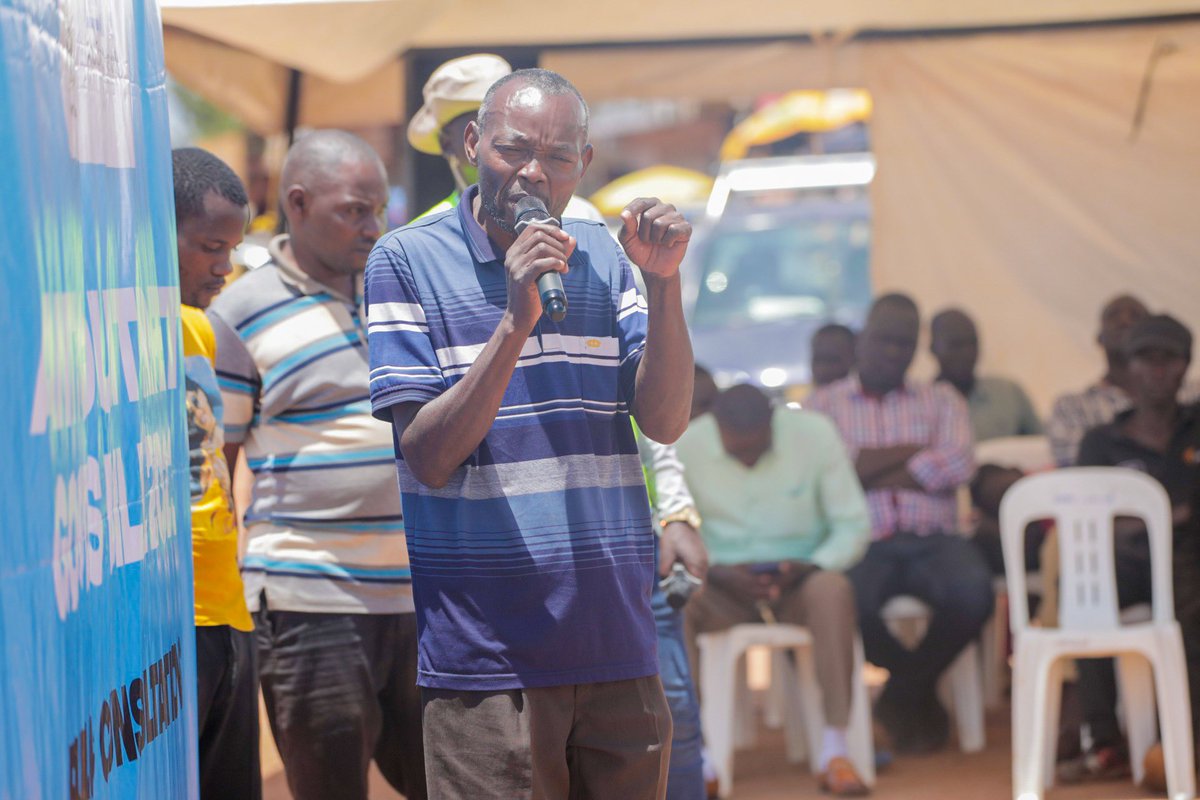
(531,210)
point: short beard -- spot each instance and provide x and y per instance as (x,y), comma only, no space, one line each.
(488,203)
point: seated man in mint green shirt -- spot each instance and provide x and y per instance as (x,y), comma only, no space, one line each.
(784,515)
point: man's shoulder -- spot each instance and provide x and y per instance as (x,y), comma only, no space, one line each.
(1071,403)
(435,239)
(590,226)
(806,424)
(251,292)
(999,385)
(198,336)
(828,396)
(434,227)
(938,392)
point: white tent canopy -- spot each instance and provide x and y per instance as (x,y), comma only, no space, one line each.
(349,50)
(1026,174)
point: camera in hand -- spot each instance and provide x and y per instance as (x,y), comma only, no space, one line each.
(679,586)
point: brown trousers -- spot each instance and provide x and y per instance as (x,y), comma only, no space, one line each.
(823,603)
(579,742)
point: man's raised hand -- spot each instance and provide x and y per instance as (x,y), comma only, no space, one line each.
(655,236)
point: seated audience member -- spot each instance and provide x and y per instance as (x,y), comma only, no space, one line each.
(832,354)
(988,487)
(997,406)
(1161,437)
(1074,414)
(911,445)
(211,211)
(783,516)
(704,392)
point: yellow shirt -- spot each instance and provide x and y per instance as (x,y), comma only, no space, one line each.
(219,598)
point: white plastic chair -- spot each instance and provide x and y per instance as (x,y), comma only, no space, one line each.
(961,684)
(1084,502)
(726,714)
(1029,454)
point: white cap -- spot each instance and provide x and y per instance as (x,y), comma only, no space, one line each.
(455,88)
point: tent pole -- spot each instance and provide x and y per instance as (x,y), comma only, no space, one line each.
(292,110)
(291,116)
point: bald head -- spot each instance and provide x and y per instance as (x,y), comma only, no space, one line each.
(318,158)
(529,86)
(334,193)
(743,415)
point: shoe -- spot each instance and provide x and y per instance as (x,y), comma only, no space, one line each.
(1107,763)
(929,728)
(1155,778)
(893,716)
(840,779)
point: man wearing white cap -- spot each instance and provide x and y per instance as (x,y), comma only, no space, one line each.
(452,96)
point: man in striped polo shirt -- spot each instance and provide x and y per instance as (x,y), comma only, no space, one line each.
(527,517)
(326,569)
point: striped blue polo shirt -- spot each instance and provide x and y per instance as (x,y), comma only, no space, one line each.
(324,530)
(534,565)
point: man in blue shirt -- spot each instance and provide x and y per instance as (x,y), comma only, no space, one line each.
(527,519)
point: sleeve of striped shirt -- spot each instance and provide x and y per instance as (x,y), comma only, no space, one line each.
(238,377)
(948,462)
(404,365)
(1064,431)
(671,492)
(631,326)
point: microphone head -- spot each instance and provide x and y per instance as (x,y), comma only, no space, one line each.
(531,209)
(529,204)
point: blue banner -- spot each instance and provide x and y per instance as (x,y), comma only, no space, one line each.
(97,662)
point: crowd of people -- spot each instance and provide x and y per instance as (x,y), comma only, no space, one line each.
(467,522)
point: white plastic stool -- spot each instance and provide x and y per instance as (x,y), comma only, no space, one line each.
(961,683)
(726,714)
(1083,503)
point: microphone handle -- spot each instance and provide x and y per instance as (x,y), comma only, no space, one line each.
(554,297)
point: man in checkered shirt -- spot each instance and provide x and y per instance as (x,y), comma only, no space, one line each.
(911,444)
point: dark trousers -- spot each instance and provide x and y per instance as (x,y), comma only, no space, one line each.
(589,741)
(686,773)
(946,572)
(341,690)
(227,710)
(1097,676)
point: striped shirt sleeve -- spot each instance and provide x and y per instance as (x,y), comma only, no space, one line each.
(631,326)
(238,377)
(404,364)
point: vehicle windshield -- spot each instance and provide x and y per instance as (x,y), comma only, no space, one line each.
(808,268)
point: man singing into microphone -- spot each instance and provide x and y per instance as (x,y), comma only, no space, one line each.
(527,519)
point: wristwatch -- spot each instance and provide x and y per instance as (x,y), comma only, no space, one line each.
(687,515)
